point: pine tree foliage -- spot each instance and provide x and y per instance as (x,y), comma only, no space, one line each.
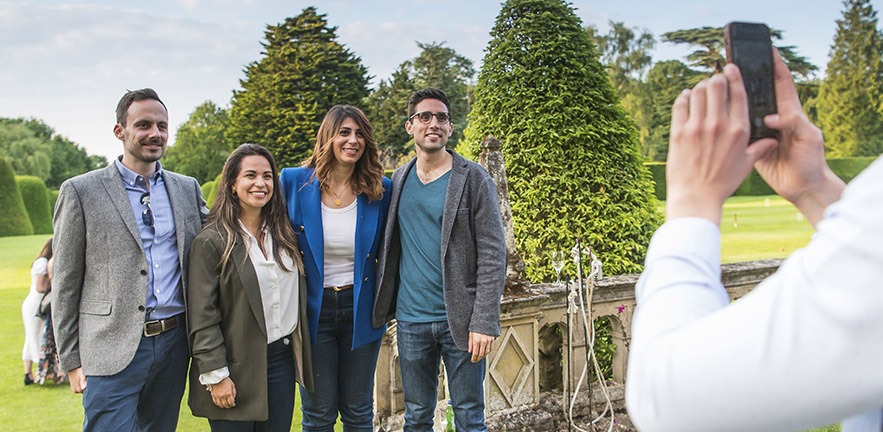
(711,50)
(849,100)
(571,150)
(303,73)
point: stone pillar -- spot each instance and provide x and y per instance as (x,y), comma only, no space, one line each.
(491,158)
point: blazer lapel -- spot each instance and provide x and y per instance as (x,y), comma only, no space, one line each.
(398,181)
(113,184)
(366,228)
(249,280)
(178,203)
(456,184)
(311,205)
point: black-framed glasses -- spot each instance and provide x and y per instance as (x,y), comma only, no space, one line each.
(426,116)
(147,214)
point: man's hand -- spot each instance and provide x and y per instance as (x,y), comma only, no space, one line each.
(796,167)
(77,380)
(224,393)
(709,155)
(480,345)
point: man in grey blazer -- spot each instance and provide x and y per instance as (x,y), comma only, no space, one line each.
(122,239)
(442,269)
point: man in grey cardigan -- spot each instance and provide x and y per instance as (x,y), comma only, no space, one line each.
(442,269)
(122,240)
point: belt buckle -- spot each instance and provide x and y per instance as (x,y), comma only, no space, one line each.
(341,288)
(150,333)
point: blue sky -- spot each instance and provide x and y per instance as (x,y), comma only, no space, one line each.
(68,62)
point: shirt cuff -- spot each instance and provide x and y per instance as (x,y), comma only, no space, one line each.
(214,377)
(693,236)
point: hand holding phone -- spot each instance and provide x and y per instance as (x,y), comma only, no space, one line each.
(749,47)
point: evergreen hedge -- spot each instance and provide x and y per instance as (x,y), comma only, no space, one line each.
(572,156)
(53,198)
(212,192)
(36,200)
(14,220)
(207,189)
(754,185)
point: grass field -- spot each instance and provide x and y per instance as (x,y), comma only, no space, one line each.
(45,408)
(752,228)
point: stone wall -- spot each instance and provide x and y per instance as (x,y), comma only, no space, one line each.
(528,369)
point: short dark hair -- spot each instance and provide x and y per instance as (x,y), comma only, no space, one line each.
(427,93)
(132,96)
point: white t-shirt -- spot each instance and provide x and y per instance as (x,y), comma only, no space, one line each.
(339,231)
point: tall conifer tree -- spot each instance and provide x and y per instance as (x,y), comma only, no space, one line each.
(571,150)
(284,96)
(849,99)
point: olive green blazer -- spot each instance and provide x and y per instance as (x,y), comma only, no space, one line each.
(227,328)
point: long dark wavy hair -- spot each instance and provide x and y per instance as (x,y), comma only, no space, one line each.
(224,215)
(367,177)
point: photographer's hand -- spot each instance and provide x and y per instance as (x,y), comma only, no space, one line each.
(796,167)
(708,154)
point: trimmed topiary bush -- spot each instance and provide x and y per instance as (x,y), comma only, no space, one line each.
(14,220)
(571,150)
(848,168)
(754,185)
(53,198)
(36,200)
(212,194)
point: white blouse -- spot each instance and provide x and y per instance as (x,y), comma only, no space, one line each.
(279,295)
(339,232)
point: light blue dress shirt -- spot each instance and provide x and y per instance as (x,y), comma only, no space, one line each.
(165,294)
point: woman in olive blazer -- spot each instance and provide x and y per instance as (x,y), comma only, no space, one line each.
(247,308)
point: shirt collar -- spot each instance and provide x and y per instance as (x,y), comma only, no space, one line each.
(131,177)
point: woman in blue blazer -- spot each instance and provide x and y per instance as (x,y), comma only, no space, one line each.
(337,204)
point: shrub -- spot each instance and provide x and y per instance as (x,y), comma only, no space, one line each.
(571,150)
(36,200)
(53,198)
(14,220)
(754,185)
(212,192)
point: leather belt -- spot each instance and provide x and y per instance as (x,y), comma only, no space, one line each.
(340,288)
(159,326)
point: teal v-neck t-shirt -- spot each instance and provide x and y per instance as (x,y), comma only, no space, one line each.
(421,296)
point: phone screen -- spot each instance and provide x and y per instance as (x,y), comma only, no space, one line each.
(750,48)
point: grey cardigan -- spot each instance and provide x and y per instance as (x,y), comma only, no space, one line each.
(473,253)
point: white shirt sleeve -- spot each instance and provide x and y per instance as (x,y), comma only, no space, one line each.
(214,377)
(802,349)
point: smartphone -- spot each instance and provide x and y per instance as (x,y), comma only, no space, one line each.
(749,47)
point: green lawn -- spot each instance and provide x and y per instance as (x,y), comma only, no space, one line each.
(45,408)
(752,228)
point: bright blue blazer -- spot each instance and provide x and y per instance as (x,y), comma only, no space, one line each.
(304,201)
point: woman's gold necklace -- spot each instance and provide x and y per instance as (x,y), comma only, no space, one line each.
(337,195)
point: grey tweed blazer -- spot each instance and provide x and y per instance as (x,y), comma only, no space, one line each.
(100,270)
(473,253)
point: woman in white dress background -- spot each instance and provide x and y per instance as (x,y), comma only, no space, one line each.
(33,323)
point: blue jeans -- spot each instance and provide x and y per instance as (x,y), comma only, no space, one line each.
(343,377)
(280,392)
(146,395)
(421,347)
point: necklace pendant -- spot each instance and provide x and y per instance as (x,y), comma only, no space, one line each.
(337,202)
